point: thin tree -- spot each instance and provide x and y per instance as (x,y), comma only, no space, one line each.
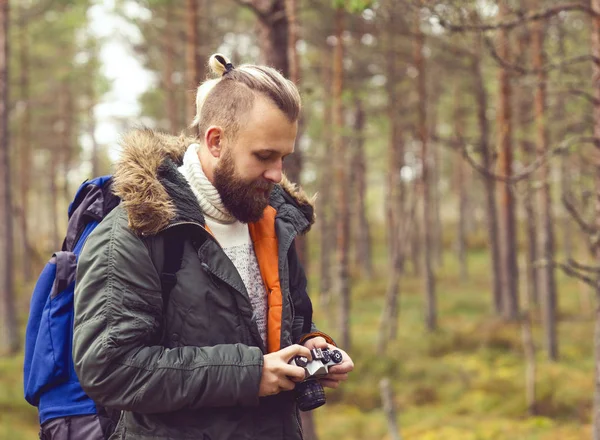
(546,228)
(362,248)
(324,201)
(462,183)
(523,108)
(394,187)
(508,232)
(489,183)
(595,49)
(423,134)
(193,66)
(9,335)
(24,144)
(169,68)
(342,208)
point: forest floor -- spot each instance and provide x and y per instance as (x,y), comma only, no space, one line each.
(466,381)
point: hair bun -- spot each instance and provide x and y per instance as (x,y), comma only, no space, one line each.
(219,64)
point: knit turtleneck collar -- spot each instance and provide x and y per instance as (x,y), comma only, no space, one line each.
(205,192)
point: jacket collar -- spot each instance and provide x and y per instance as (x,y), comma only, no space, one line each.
(155,194)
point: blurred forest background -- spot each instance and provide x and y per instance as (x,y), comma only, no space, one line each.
(454,147)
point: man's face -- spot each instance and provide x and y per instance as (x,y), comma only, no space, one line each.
(251,164)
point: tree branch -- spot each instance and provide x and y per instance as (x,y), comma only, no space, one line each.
(524,71)
(572,272)
(525,173)
(583,267)
(571,209)
(522,19)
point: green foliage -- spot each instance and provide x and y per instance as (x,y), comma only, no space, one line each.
(353,6)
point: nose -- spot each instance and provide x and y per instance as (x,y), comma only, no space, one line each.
(274,173)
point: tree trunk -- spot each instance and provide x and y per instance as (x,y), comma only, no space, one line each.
(488,181)
(362,255)
(66,146)
(24,147)
(341,183)
(9,333)
(415,249)
(91,127)
(389,408)
(565,166)
(461,169)
(545,229)
(530,368)
(523,116)
(435,155)
(54,152)
(169,69)
(277,33)
(294,168)
(192,65)
(595,49)
(508,232)
(324,201)
(394,198)
(430,299)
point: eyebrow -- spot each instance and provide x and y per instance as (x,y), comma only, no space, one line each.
(270,151)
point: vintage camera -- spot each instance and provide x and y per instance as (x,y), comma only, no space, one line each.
(310,393)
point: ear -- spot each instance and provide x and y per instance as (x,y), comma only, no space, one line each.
(213,139)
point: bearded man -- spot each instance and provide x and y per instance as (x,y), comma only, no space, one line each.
(212,362)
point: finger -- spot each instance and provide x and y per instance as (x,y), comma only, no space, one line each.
(286,384)
(344,367)
(294,350)
(329,383)
(338,377)
(317,342)
(293,372)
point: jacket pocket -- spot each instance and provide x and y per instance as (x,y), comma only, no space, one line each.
(135,314)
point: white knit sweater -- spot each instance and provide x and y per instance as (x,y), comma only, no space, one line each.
(233,235)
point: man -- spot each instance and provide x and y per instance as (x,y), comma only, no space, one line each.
(211,363)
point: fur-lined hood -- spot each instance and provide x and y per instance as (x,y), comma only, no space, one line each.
(151,189)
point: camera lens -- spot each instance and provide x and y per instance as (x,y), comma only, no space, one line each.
(309,395)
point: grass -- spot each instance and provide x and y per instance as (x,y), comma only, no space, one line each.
(466,380)
(463,382)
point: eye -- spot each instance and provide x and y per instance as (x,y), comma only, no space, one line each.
(263,157)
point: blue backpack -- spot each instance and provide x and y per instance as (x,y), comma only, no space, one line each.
(49,378)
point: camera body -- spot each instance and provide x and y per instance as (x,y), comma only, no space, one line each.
(322,359)
(310,393)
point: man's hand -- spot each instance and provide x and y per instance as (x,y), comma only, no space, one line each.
(337,373)
(277,374)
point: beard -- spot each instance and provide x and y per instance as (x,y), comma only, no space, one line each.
(245,200)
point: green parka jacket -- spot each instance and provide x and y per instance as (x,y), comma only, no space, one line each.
(191,371)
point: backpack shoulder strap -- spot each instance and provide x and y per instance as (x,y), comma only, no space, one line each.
(173,244)
(173,251)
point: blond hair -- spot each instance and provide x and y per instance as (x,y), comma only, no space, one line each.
(227,99)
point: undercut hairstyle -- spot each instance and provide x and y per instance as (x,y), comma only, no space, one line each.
(226,100)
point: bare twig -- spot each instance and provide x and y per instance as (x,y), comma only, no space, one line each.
(524,71)
(522,19)
(527,171)
(572,272)
(577,216)
(583,267)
